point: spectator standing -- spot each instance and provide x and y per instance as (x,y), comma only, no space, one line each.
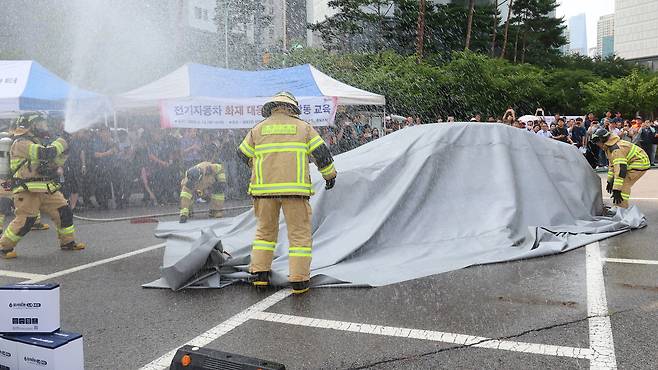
(125,170)
(190,146)
(588,120)
(645,141)
(544,132)
(579,133)
(618,119)
(560,133)
(104,170)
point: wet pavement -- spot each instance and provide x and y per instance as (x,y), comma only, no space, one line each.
(530,314)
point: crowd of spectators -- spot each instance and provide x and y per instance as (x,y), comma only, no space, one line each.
(150,162)
(107,164)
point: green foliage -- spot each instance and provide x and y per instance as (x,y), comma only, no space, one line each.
(630,94)
(465,83)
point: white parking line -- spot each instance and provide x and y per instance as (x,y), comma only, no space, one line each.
(625,260)
(20,275)
(93,264)
(211,335)
(436,336)
(600,329)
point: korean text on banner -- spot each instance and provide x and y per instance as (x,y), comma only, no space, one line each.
(238,113)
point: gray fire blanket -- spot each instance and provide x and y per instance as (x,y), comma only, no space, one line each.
(421,201)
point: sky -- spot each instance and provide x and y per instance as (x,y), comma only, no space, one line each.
(593,9)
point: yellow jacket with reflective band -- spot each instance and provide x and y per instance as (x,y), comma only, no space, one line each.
(24,154)
(279,149)
(621,152)
(211,172)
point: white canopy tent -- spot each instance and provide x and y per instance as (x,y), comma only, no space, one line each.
(202,81)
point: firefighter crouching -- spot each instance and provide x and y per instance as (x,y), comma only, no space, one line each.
(199,179)
(277,150)
(627,163)
(34,163)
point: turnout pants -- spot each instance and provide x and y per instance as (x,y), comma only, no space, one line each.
(631,178)
(187,196)
(27,206)
(297,212)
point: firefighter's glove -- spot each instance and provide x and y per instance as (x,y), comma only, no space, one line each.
(616,197)
(608,187)
(330,183)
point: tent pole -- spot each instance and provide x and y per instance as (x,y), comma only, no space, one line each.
(384,121)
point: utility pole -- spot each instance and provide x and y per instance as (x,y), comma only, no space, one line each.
(469,24)
(420,40)
(509,15)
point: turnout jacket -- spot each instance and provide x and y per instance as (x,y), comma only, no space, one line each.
(213,173)
(278,151)
(34,163)
(623,157)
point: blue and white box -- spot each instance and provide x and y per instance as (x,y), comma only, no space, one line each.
(56,351)
(8,354)
(29,308)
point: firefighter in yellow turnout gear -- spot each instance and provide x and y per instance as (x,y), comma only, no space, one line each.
(199,179)
(33,165)
(278,150)
(627,163)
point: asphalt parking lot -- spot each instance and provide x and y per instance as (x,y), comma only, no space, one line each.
(594,307)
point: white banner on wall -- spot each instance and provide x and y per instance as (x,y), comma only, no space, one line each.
(211,113)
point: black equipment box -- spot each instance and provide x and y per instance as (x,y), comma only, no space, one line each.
(199,358)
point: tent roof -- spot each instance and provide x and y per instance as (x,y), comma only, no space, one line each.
(198,80)
(27,85)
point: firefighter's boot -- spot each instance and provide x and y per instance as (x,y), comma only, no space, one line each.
(300,287)
(261,279)
(7,254)
(73,246)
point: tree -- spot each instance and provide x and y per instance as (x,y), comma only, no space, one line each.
(469,23)
(358,25)
(506,32)
(635,92)
(538,36)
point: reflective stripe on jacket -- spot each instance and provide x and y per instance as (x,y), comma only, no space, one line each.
(623,157)
(25,162)
(278,149)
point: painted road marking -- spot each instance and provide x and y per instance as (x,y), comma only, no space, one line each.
(625,260)
(93,264)
(431,335)
(213,334)
(20,275)
(600,329)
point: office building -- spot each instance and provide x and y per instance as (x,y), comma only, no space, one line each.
(578,34)
(605,32)
(636,31)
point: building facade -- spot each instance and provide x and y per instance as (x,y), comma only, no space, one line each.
(605,36)
(636,31)
(578,35)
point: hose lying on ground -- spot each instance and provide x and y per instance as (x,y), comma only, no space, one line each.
(156,215)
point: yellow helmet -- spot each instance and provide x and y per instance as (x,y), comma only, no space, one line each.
(27,122)
(282,98)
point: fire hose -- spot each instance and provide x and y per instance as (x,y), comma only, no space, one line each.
(150,216)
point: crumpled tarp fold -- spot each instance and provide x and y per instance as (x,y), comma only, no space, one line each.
(421,201)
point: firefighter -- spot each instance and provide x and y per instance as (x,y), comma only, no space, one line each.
(198,180)
(627,163)
(34,165)
(278,149)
